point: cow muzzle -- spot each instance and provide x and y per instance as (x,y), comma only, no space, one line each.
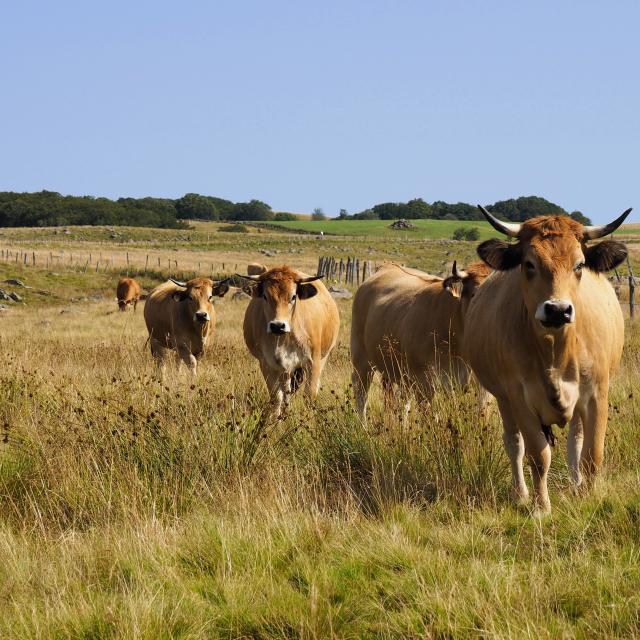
(201,317)
(278,327)
(555,313)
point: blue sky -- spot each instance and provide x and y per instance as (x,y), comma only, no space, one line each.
(324,104)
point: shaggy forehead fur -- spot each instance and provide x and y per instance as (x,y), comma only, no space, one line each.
(278,280)
(553,239)
(198,284)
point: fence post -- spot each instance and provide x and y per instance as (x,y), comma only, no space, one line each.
(632,290)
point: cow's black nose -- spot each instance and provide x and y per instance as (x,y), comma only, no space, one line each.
(558,312)
(277,327)
(202,316)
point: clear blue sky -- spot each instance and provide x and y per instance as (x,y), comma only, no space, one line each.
(324,104)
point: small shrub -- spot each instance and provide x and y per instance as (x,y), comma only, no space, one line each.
(283,216)
(235,228)
(461,233)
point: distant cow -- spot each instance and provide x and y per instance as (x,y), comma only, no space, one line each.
(255,269)
(547,334)
(180,316)
(291,325)
(128,292)
(408,325)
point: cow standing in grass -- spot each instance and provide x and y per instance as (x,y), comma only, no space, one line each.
(291,325)
(180,316)
(408,325)
(547,334)
(128,292)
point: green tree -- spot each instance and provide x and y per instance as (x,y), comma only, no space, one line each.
(196,207)
(318,214)
(252,210)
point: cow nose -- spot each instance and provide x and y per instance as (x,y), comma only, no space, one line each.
(202,316)
(558,312)
(278,327)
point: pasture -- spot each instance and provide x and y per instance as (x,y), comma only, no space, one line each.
(135,507)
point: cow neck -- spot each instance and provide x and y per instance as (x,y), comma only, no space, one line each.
(557,360)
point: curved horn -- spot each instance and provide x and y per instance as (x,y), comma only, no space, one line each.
(458,274)
(180,284)
(594,232)
(254,278)
(309,279)
(509,229)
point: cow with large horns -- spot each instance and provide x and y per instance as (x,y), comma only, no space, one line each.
(180,316)
(291,325)
(408,325)
(547,334)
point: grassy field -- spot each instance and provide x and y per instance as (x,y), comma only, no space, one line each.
(135,508)
(380,228)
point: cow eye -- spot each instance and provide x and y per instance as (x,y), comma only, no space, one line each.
(578,268)
(529,266)
(293,297)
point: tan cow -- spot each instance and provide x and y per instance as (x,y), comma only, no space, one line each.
(291,325)
(408,325)
(180,316)
(128,292)
(547,334)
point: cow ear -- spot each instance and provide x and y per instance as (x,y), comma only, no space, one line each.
(257,290)
(306,291)
(220,289)
(605,256)
(500,255)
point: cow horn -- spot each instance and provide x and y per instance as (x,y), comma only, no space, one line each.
(309,279)
(180,284)
(458,274)
(595,232)
(254,278)
(509,229)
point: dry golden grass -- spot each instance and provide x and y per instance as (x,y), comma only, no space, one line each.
(135,508)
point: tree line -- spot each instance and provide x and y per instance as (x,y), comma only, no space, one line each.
(514,210)
(49,209)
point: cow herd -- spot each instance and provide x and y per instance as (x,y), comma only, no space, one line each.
(535,321)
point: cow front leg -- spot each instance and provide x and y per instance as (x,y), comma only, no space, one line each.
(185,355)
(514,446)
(538,453)
(278,385)
(575,440)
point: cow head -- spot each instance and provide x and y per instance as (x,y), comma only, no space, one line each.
(197,295)
(280,289)
(552,253)
(122,304)
(463,284)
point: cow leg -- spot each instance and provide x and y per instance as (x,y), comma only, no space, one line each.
(159,353)
(278,384)
(184,354)
(361,381)
(539,456)
(135,304)
(317,365)
(574,448)
(514,446)
(595,427)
